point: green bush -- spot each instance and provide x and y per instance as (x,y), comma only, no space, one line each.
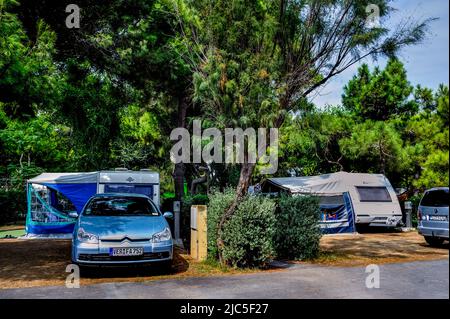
(218,203)
(415,200)
(248,235)
(13,206)
(297,233)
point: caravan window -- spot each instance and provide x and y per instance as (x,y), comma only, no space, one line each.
(373,194)
(331,200)
(133,189)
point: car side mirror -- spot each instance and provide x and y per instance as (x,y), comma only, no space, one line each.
(168,215)
(73,214)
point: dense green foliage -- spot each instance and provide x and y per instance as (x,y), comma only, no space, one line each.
(248,235)
(297,232)
(218,203)
(13,206)
(263,228)
(380,94)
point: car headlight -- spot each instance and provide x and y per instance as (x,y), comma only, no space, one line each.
(162,236)
(86,237)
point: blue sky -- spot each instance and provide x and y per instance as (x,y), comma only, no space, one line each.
(427,63)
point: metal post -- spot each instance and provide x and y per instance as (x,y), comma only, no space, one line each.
(176,212)
(408,212)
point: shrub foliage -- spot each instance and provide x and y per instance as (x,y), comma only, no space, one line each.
(13,206)
(248,235)
(297,233)
(218,204)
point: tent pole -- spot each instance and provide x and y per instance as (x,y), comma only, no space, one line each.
(28,218)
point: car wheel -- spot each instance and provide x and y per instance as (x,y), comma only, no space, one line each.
(165,265)
(433,241)
(86,271)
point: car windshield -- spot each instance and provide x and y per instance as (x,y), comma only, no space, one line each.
(437,198)
(120,206)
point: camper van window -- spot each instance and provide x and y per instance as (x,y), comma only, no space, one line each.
(435,198)
(133,189)
(373,194)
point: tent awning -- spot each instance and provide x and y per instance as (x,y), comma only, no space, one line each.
(65,178)
(327,184)
(77,187)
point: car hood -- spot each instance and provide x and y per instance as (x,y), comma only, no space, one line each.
(120,227)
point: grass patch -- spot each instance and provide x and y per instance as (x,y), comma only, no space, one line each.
(326,257)
(212,266)
(12,233)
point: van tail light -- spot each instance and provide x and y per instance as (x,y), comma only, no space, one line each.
(419,215)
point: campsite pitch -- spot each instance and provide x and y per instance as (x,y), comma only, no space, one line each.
(41,262)
(32,263)
(377,248)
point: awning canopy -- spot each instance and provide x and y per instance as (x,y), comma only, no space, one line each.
(327,184)
(77,187)
(65,178)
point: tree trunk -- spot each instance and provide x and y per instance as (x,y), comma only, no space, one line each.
(179,170)
(20,161)
(241,190)
(178,178)
(382,158)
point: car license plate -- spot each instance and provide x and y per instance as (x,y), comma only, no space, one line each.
(438,218)
(126,251)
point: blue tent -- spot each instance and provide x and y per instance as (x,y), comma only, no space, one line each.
(337,214)
(44,215)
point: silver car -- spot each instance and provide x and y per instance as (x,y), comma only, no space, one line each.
(432,215)
(117,229)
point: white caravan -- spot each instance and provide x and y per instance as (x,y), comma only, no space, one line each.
(373,198)
(144,182)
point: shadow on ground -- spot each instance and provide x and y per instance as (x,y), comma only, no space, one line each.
(180,265)
(36,262)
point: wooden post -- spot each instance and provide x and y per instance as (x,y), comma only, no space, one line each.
(199,240)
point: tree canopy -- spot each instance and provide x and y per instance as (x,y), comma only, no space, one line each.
(109,93)
(381,94)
